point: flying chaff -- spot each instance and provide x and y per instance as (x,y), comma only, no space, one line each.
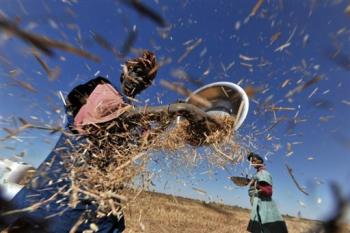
(189,49)
(290,172)
(42,43)
(146,11)
(302,87)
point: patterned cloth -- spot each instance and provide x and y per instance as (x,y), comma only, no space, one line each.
(264,217)
(103,104)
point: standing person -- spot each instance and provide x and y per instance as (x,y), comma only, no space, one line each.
(264,217)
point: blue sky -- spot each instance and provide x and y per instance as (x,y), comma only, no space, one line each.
(313,29)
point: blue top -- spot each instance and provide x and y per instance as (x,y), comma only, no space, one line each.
(59,217)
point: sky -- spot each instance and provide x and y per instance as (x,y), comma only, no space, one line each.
(277,51)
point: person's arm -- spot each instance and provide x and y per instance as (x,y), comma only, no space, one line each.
(192,113)
(252,190)
(200,123)
(251,182)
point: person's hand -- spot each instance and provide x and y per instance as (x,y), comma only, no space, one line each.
(138,74)
(252,191)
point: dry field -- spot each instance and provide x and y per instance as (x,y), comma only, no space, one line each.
(158,213)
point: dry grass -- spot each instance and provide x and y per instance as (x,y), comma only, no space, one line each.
(155,212)
(112,155)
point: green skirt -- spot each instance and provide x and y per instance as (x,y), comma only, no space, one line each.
(265,217)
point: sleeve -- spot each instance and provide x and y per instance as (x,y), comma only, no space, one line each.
(265,189)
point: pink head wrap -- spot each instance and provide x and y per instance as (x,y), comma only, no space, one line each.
(104,104)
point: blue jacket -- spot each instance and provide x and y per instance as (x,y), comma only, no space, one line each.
(56,216)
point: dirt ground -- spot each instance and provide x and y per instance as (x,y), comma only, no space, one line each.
(157,213)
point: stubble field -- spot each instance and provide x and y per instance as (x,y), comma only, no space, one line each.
(157,213)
